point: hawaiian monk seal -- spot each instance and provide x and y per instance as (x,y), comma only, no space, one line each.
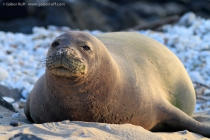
(114,78)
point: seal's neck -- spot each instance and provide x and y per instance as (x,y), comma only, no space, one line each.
(102,75)
(94,93)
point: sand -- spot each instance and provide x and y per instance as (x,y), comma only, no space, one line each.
(75,130)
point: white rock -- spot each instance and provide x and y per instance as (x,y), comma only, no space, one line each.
(52,27)
(24,94)
(3,57)
(8,99)
(96,32)
(31,80)
(15,115)
(184,132)
(10,59)
(187,19)
(196,77)
(207,91)
(108,127)
(3,74)
(15,105)
(22,100)
(65,28)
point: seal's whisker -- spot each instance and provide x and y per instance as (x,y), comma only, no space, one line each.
(42,63)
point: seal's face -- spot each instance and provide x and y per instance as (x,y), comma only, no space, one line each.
(69,55)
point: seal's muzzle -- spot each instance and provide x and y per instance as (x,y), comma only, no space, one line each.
(65,61)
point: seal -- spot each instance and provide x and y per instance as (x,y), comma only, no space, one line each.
(116,78)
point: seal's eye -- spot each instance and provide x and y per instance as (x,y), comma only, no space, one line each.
(86,48)
(55,44)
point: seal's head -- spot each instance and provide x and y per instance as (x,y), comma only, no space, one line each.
(71,54)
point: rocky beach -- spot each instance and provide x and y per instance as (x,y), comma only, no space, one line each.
(22,60)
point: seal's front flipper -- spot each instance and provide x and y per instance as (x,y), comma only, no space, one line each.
(27,112)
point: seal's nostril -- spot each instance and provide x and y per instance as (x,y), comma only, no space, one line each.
(55,44)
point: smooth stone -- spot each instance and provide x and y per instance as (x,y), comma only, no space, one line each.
(16,106)
(10,92)
(15,123)
(31,80)
(8,99)
(108,127)
(5,104)
(196,77)
(15,115)
(187,19)
(21,136)
(24,94)
(3,74)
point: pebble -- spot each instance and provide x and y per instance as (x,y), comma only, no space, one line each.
(16,106)
(3,73)
(196,76)
(15,123)
(24,93)
(31,80)
(187,19)
(15,115)
(108,127)
(8,99)
(22,100)
(184,132)
(21,136)
(207,92)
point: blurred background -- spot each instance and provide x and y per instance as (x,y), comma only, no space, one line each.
(104,15)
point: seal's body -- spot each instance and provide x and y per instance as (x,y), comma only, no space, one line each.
(114,78)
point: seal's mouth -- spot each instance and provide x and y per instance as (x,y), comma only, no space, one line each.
(66,64)
(61,68)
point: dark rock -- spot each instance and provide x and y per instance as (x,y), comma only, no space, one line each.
(13,93)
(13,11)
(200,7)
(5,104)
(148,10)
(23,25)
(15,123)
(92,14)
(22,136)
(174,8)
(1,116)
(104,15)
(59,16)
(152,11)
(128,17)
(123,2)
